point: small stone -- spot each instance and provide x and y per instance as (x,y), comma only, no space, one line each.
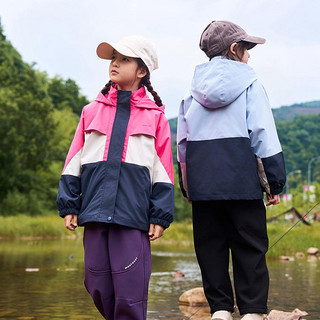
(313,251)
(32,269)
(300,255)
(178,274)
(286,258)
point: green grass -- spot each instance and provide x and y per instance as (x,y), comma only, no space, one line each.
(22,226)
(179,233)
(299,238)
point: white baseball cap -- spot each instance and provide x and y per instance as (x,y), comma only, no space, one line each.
(132,46)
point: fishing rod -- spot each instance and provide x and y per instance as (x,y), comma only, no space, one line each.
(300,219)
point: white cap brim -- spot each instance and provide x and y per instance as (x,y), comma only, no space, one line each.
(105,50)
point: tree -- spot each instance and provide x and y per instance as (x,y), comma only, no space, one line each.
(66,94)
(300,140)
(25,121)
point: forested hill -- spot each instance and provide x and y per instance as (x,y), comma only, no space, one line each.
(286,113)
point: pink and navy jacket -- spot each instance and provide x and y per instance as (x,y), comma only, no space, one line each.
(119,167)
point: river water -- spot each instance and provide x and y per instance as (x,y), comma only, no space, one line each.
(43,279)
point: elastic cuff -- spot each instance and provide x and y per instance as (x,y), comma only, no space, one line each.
(276,188)
(161,222)
(64,212)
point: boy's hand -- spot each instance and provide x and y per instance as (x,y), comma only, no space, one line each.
(155,231)
(273,199)
(71,221)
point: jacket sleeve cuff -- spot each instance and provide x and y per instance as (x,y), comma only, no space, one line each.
(64,212)
(276,188)
(161,222)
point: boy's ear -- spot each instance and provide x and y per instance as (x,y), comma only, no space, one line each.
(232,48)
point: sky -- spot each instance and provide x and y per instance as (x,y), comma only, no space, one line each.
(61,37)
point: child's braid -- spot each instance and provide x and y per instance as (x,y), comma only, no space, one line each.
(147,83)
(106,88)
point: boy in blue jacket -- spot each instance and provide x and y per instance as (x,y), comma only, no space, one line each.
(226,132)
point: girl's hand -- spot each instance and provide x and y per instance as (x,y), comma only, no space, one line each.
(71,221)
(273,199)
(155,231)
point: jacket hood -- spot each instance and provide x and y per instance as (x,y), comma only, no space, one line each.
(139,98)
(220,81)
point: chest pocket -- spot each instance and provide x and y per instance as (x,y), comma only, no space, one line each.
(94,145)
(141,147)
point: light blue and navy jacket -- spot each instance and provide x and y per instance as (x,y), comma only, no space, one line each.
(119,167)
(225,123)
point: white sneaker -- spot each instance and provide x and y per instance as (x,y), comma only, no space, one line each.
(222,315)
(254,316)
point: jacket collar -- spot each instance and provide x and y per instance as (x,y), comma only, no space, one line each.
(139,98)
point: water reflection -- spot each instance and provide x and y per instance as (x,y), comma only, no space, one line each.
(52,286)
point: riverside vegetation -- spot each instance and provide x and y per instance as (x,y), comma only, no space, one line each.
(38,117)
(299,239)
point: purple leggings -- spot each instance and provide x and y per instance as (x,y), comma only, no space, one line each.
(117,270)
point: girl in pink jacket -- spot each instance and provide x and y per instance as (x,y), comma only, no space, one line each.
(117,181)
